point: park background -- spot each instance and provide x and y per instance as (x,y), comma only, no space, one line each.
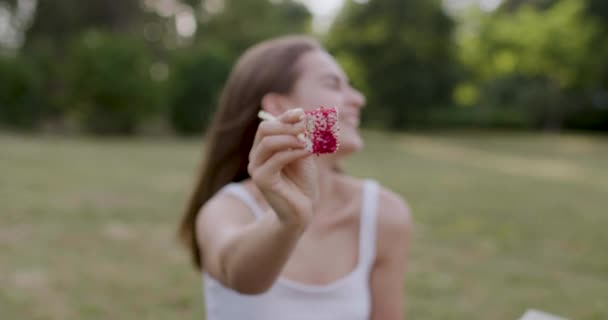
(489,116)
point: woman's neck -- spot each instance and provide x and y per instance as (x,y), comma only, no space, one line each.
(328,180)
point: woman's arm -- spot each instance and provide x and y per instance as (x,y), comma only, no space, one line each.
(242,253)
(248,255)
(392,244)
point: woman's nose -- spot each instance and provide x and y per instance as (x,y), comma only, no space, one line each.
(355,98)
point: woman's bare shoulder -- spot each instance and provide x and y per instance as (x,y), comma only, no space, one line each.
(394,221)
(218,220)
(223,209)
(393,211)
(392,207)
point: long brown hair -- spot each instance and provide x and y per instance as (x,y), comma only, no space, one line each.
(268,67)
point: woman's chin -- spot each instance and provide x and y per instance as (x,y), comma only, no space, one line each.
(349,146)
(345,149)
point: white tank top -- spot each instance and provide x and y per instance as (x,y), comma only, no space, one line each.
(347,298)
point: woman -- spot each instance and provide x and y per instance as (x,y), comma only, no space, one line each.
(277,232)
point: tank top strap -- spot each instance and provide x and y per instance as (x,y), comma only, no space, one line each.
(369,208)
(367,231)
(239,191)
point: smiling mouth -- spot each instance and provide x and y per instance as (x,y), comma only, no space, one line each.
(354,122)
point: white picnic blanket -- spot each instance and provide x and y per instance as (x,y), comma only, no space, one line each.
(539,315)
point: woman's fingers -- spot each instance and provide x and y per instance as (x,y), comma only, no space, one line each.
(276,144)
(292,116)
(270,145)
(277,161)
(276,127)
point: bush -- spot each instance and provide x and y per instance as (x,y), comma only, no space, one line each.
(20,90)
(538,100)
(110,89)
(196,81)
(588,119)
(481,116)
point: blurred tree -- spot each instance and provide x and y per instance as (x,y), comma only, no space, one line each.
(20,99)
(195,84)
(225,29)
(599,9)
(237,24)
(57,25)
(94,64)
(108,83)
(595,114)
(61,20)
(539,60)
(401,55)
(514,5)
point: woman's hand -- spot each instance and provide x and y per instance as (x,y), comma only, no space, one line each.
(283,169)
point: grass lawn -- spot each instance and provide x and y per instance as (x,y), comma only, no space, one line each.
(503,223)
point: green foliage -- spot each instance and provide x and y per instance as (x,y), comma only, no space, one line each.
(589,120)
(109,85)
(96,59)
(238,24)
(531,63)
(21,105)
(196,81)
(552,43)
(63,20)
(403,50)
(224,32)
(599,9)
(513,5)
(486,117)
(541,60)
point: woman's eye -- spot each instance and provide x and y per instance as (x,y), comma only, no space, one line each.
(334,84)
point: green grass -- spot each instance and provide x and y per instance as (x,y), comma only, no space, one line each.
(503,223)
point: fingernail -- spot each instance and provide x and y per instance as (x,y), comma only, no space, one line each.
(296,111)
(301,138)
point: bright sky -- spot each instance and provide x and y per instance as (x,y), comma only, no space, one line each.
(331,7)
(323,7)
(324,11)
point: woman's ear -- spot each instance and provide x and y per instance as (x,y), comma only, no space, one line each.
(274,104)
